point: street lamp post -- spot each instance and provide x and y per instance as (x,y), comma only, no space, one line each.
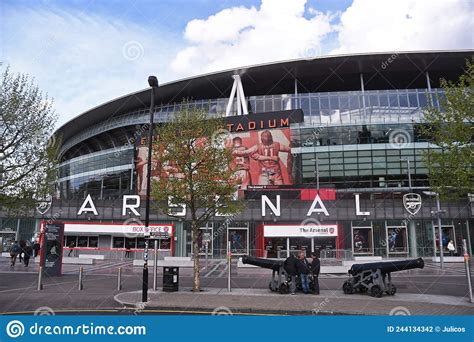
(438,213)
(153,82)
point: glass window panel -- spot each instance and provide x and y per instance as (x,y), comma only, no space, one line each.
(337,173)
(314,105)
(351,172)
(268,105)
(365,159)
(383,100)
(374,100)
(422,99)
(305,105)
(403,100)
(118,242)
(140,243)
(130,243)
(277,103)
(71,240)
(82,241)
(354,102)
(324,102)
(413,100)
(334,102)
(344,102)
(93,241)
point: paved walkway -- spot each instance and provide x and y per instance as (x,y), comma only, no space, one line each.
(219,301)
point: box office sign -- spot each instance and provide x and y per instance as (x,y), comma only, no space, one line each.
(309,231)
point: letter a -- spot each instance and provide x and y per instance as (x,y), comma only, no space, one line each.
(91,207)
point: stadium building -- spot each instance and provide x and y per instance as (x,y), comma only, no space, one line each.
(329,153)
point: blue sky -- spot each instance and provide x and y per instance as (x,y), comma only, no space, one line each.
(83,53)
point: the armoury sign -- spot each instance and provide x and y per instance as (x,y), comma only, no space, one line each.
(130,204)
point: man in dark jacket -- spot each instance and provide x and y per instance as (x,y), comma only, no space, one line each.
(27,254)
(315,269)
(303,268)
(290,268)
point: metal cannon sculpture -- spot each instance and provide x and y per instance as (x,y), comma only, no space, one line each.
(375,278)
(280,279)
(279,282)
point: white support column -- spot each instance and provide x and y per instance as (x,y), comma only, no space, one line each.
(243,101)
(231,99)
(428,84)
(237,89)
(239,107)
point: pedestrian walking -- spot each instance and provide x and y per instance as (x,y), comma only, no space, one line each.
(451,248)
(315,269)
(27,254)
(290,268)
(303,268)
(71,246)
(14,251)
(22,245)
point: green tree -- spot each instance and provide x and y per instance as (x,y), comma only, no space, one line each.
(194,170)
(450,128)
(28,148)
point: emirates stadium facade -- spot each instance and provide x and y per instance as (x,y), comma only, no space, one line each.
(347,177)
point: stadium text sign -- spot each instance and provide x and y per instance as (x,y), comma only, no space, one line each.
(130,204)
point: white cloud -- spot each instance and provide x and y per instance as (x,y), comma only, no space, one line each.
(82,60)
(240,36)
(280,30)
(404,25)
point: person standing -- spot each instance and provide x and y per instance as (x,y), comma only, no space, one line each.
(315,269)
(14,251)
(27,253)
(451,247)
(290,268)
(303,268)
(36,248)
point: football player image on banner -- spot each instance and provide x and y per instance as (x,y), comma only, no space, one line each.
(263,157)
(397,240)
(362,240)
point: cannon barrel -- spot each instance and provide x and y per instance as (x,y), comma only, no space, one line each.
(388,266)
(264,263)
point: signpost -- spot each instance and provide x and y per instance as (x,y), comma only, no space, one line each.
(468,272)
(206,238)
(52,248)
(156,236)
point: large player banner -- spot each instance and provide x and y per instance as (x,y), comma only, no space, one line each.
(261,146)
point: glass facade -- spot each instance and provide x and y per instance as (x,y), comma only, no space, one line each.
(104,175)
(350,134)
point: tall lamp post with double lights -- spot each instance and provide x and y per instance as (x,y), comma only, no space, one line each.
(438,214)
(153,82)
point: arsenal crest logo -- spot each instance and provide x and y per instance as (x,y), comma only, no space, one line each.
(43,206)
(412,203)
(331,230)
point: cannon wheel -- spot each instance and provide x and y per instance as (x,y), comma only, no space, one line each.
(347,287)
(284,289)
(392,290)
(376,291)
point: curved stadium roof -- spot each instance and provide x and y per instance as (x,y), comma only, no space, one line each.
(321,74)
